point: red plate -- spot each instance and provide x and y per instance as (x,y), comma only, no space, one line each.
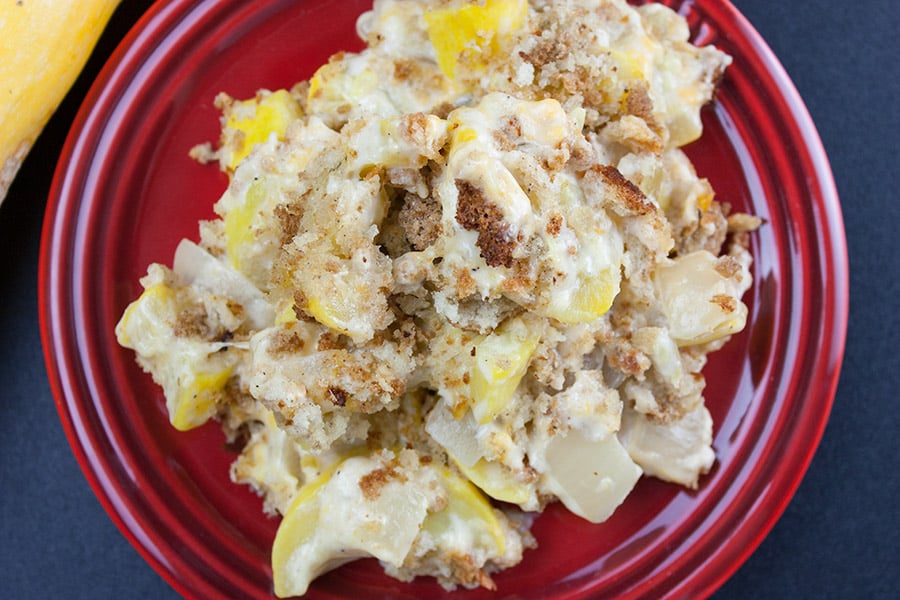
(125,193)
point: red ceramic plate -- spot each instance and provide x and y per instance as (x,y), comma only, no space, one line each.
(126,192)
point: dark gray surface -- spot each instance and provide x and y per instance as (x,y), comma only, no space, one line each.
(838,537)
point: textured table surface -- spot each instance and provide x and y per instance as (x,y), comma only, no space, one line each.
(838,537)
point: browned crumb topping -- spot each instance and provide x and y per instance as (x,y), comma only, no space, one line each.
(203,153)
(338,395)
(725,302)
(728,266)
(475,213)
(288,216)
(669,406)
(442,110)
(709,232)
(554,224)
(741,222)
(639,104)
(581,81)
(627,192)
(373,482)
(235,308)
(627,360)
(420,219)
(404,69)
(191,322)
(547,51)
(509,133)
(464,570)
(330,341)
(465,283)
(517,284)
(299,302)
(286,342)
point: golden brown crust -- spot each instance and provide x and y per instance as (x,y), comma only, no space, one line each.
(725,302)
(288,217)
(465,571)
(630,195)
(374,481)
(404,69)
(338,395)
(728,266)
(465,284)
(420,219)
(554,224)
(742,222)
(476,213)
(286,341)
(546,52)
(192,323)
(709,231)
(627,359)
(330,341)
(508,134)
(639,103)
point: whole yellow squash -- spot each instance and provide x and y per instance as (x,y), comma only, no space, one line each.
(43,47)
